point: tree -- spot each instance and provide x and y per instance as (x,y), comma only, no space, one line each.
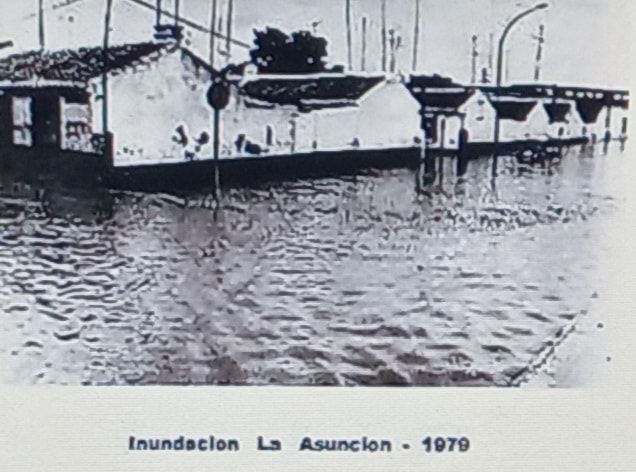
(276,52)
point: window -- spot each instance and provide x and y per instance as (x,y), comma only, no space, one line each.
(269,135)
(76,126)
(22,111)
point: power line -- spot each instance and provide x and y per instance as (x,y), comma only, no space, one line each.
(147,5)
(191,24)
(55,6)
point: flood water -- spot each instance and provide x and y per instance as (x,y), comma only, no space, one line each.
(338,281)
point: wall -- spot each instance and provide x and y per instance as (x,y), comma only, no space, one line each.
(158,111)
(534,127)
(480,118)
(244,129)
(389,116)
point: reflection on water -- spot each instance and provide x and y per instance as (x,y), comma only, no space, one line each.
(340,281)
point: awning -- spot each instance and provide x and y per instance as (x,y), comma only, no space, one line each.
(589,109)
(557,112)
(513,109)
(449,99)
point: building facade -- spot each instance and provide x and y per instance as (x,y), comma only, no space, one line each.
(281,115)
(158,113)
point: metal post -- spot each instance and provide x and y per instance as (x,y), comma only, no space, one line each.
(384,52)
(363,60)
(105,97)
(539,56)
(217,145)
(177,21)
(230,13)
(474,57)
(348,26)
(416,34)
(108,150)
(212,32)
(158,15)
(41,24)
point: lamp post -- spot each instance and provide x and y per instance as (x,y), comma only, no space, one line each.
(105,97)
(504,35)
(500,55)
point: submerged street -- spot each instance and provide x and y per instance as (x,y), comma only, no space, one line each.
(338,281)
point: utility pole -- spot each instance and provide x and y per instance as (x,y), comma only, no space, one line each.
(392,50)
(363,60)
(474,57)
(105,65)
(539,57)
(348,26)
(177,20)
(230,14)
(212,32)
(41,24)
(491,55)
(384,38)
(158,16)
(416,34)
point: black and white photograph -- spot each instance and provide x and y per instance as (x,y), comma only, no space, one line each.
(344,193)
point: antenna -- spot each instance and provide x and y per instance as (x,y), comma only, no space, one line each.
(395,42)
(474,57)
(539,57)
(392,49)
(348,26)
(363,60)
(41,23)
(383,13)
(491,54)
(416,33)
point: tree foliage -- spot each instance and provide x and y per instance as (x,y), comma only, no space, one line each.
(276,52)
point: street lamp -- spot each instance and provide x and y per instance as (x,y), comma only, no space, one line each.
(500,54)
(6,44)
(514,21)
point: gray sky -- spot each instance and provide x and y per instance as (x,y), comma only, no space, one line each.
(586,40)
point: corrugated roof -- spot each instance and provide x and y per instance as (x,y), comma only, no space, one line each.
(434,80)
(310,92)
(80,65)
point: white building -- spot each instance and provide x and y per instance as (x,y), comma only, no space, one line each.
(526,112)
(157,108)
(282,115)
(158,111)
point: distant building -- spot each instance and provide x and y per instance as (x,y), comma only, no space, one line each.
(564,112)
(278,115)
(526,112)
(448,107)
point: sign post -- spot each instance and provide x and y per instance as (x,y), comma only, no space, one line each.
(218,97)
